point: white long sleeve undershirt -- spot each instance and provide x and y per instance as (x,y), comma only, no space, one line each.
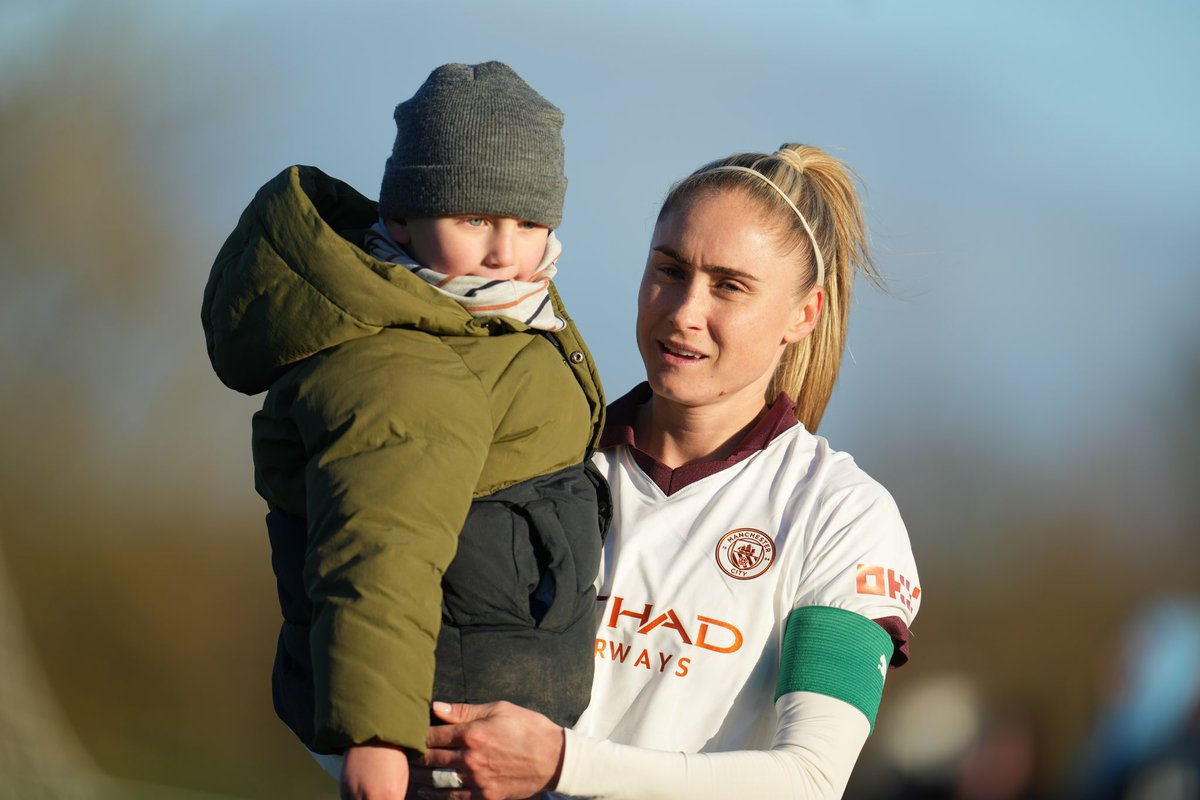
(817,742)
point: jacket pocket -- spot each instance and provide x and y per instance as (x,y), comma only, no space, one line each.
(555,584)
(494,570)
(528,555)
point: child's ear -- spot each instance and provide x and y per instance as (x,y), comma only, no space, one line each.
(398,228)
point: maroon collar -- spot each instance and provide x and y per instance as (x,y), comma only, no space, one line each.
(618,430)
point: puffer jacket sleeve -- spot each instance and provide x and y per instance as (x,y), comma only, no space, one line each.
(394,456)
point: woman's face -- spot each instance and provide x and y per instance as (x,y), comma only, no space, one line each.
(718,305)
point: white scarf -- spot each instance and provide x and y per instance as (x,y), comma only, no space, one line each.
(525,301)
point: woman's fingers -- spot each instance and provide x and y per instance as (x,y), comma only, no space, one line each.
(458,717)
(443,757)
(427,793)
(439,777)
(457,712)
(500,750)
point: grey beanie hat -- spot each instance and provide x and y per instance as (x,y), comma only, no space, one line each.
(476,139)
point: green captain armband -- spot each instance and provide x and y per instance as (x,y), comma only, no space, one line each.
(837,653)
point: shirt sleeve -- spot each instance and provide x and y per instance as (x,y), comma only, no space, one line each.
(859,559)
(817,742)
(392,466)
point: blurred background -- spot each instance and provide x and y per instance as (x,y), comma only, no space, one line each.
(1027,387)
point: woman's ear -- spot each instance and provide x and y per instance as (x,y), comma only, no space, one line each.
(805,315)
(398,229)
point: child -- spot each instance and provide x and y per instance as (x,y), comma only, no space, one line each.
(427,400)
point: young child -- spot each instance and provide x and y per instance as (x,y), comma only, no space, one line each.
(429,412)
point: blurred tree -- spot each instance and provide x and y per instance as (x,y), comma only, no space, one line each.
(83,237)
(150,607)
(39,753)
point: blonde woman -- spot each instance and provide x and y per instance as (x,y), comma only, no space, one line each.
(756,584)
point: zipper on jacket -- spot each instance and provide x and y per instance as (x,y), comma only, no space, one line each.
(562,351)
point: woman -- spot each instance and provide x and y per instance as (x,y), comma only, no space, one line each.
(750,567)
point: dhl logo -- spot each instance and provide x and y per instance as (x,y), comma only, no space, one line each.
(887,582)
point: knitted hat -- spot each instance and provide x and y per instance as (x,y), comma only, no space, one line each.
(476,139)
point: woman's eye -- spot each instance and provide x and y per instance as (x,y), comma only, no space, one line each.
(670,271)
(729,286)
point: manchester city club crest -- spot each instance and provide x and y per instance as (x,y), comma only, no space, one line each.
(745,553)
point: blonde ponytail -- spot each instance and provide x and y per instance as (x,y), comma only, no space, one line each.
(825,217)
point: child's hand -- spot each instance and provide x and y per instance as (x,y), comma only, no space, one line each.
(374,772)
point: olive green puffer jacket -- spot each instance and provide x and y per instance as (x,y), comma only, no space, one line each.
(397,431)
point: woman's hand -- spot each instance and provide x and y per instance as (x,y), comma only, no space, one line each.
(374,772)
(499,751)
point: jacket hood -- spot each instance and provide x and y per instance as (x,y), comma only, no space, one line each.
(292,281)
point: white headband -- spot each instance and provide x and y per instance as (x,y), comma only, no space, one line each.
(807,228)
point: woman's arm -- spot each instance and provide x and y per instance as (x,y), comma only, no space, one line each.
(817,742)
(504,751)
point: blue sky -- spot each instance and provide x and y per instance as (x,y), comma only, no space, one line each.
(1030,169)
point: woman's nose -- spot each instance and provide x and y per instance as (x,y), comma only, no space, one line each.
(688,306)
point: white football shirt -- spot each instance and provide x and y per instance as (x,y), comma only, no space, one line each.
(696,587)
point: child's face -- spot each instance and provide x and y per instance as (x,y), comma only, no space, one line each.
(488,246)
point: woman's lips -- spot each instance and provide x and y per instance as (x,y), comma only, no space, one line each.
(681,353)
